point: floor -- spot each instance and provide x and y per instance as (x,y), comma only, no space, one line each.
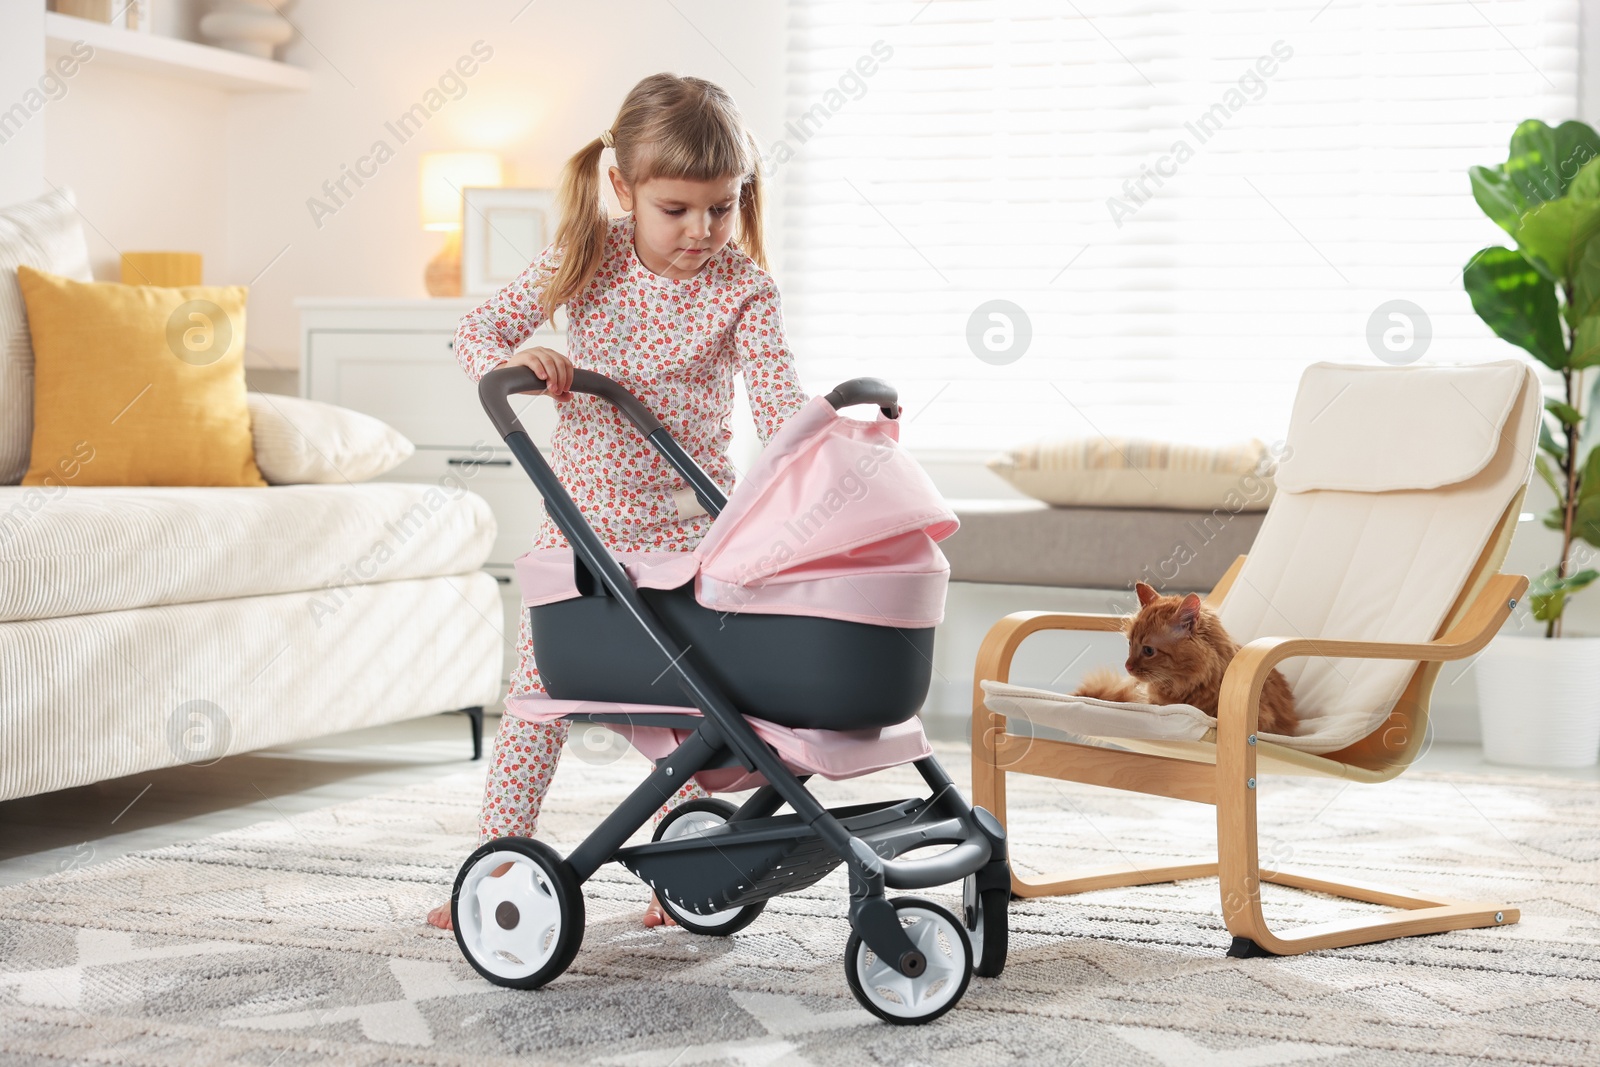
(40,835)
(44,834)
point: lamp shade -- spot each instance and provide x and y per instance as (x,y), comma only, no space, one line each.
(444,175)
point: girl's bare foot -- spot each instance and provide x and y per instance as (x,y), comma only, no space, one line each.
(655,915)
(440,916)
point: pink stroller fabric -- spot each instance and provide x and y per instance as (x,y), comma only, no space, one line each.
(834,754)
(834,520)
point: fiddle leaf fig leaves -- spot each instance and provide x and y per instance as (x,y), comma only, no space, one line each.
(1557,234)
(1542,161)
(1544,297)
(1518,303)
(1547,595)
(1498,197)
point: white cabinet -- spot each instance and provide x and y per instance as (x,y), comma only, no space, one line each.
(394,359)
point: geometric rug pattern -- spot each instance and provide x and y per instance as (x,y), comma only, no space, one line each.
(300,941)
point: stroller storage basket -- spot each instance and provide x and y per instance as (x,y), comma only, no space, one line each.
(793,670)
(740,863)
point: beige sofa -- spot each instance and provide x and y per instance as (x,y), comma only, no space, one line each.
(150,627)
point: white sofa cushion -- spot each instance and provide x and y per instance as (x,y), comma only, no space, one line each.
(307,442)
(92,697)
(87,548)
(44,234)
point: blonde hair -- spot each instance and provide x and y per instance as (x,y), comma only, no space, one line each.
(668,127)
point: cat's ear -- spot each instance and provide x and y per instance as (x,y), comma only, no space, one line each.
(1146,593)
(1189,612)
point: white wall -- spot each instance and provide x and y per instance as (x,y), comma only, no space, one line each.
(21,67)
(147,157)
(163,164)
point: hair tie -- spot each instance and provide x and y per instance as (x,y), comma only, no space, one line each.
(607,140)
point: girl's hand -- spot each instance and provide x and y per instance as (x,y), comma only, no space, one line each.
(547,363)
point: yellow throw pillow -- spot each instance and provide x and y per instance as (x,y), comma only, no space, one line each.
(146,382)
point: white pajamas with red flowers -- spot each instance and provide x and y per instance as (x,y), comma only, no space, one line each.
(676,344)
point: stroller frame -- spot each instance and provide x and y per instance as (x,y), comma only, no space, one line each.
(769,854)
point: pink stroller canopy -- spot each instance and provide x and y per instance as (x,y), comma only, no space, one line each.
(835,520)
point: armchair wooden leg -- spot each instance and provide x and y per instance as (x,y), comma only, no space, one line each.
(988,779)
(1116,876)
(1240,877)
(1419,917)
(995,753)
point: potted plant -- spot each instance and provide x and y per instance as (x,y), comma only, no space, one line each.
(1539,695)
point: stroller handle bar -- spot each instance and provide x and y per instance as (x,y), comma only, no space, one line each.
(866,391)
(496,387)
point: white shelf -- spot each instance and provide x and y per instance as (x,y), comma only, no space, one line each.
(153,54)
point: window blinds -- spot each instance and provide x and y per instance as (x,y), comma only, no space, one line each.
(1187,204)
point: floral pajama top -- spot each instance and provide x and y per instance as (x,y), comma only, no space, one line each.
(676,344)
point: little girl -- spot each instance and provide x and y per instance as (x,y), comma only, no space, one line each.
(665,301)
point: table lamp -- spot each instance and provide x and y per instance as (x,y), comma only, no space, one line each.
(444,175)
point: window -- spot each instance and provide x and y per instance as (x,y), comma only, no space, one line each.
(1187,205)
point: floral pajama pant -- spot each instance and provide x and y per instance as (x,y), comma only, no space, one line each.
(525,758)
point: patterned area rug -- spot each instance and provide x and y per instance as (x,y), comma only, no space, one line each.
(299,941)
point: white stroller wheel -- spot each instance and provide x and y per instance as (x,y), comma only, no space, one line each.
(522,926)
(687,820)
(987,926)
(896,998)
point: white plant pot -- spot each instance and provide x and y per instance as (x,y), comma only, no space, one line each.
(1539,701)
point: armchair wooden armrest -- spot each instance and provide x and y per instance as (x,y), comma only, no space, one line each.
(1238,707)
(999,647)
(1004,637)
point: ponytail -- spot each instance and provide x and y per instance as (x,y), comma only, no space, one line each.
(752,240)
(581,234)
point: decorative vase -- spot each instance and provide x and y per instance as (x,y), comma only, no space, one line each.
(1539,701)
(251,27)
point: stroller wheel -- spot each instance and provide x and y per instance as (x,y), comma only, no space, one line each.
(521,926)
(687,819)
(987,928)
(892,996)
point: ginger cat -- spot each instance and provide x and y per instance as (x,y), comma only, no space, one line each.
(1177,654)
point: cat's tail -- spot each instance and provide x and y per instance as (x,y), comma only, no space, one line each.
(1106,684)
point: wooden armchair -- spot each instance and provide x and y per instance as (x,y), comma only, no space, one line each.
(1222,767)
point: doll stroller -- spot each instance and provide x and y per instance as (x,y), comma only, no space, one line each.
(795,640)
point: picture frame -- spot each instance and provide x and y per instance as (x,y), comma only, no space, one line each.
(502,231)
